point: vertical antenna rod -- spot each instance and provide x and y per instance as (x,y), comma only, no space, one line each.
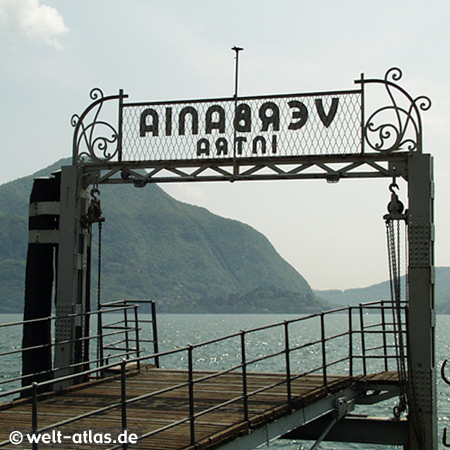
(237,50)
(236,78)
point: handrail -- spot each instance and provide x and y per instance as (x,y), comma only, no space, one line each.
(126,331)
(364,353)
(65,341)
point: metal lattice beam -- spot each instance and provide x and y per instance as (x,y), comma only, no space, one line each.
(331,168)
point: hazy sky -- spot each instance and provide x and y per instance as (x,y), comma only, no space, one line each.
(54,52)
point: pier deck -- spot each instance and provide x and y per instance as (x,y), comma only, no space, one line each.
(165,414)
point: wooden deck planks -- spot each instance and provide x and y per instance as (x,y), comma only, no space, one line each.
(168,407)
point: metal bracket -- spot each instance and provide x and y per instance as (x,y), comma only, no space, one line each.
(423,381)
(63,328)
(343,407)
(419,237)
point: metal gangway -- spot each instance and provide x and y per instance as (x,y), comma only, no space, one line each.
(173,400)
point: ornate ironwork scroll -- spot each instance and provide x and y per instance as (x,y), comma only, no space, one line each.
(95,139)
(398,125)
(275,128)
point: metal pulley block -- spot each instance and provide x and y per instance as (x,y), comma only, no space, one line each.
(395,206)
(94,213)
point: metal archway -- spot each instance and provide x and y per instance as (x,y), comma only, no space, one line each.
(324,135)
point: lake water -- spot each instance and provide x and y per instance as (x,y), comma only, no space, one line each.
(178,330)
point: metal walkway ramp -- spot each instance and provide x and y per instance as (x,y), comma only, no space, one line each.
(159,407)
(316,367)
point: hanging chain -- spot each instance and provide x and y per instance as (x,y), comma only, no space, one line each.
(94,215)
(99,266)
(393,236)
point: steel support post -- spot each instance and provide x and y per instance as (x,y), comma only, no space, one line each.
(73,275)
(422,417)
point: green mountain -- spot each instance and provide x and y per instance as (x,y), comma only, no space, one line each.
(381,291)
(155,247)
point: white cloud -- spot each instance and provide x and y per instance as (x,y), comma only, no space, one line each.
(37,22)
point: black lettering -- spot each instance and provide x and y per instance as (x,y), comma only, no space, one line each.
(218,124)
(182,120)
(269,115)
(243,118)
(239,142)
(145,127)
(301,114)
(203,147)
(274,144)
(327,118)
(168,121)
(222,147)
(259,140)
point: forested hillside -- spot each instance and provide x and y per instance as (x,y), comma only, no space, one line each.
(156,247)
(381,291)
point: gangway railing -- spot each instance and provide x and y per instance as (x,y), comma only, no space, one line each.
(115,338)
(366,343)
(128,338)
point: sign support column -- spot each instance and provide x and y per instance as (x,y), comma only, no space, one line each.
(73,275)
(421,312)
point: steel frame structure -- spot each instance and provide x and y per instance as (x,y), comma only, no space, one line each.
(380,142)
(368,347)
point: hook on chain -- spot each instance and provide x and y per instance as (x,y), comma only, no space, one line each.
(395,206)
(94,192)
(94,213)
(392,186)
